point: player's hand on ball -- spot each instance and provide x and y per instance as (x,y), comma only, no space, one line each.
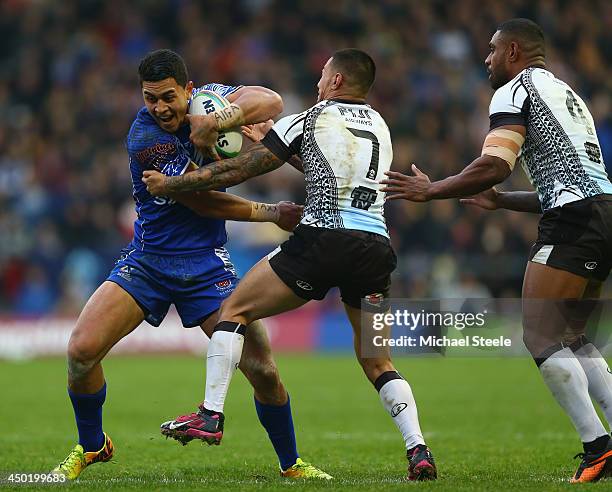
(414,188)
(289,215)
(204,133)
(257,131)
(155,181)
(486,199)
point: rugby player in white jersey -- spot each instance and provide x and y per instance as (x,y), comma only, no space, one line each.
(342,241)
(542,121)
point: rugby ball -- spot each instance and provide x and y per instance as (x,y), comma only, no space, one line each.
(205,102)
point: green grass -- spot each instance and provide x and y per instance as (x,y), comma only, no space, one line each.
(490,422)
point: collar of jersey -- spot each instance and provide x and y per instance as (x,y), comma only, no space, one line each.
(348,101)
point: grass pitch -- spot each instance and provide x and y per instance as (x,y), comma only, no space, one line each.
(490,422)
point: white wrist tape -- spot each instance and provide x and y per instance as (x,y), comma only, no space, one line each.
(264,212)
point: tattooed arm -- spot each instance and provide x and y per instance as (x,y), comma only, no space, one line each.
(221,174)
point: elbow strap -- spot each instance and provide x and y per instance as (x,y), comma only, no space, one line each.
(504,144)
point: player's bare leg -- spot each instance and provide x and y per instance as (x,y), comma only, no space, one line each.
(248,303)
(260,294)
(395,394)
(109,315)
(597,371)
(549,295)
(257,362)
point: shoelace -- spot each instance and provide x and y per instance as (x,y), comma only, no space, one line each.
(580,455)
(417,453)
(309,468)
(71,459)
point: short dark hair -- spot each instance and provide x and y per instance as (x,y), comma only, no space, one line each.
(357,66)
(528,34)
(162,64)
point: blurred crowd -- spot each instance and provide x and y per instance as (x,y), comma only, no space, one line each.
(69,91)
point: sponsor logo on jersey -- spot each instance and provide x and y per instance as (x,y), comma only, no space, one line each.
(224,285)
(159,149)
(374,299)
(303,285)
(363,198)
(398,408)
(590,265)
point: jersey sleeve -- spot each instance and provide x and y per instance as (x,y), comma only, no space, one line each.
(223,90)
(509,105)
(285,138)
(156,149)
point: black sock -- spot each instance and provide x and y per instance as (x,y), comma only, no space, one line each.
(210,413)
(596,446)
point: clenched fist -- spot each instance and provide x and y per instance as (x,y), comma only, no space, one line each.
(289,215)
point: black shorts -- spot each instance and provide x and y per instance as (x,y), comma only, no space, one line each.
(315,259)
(577,237)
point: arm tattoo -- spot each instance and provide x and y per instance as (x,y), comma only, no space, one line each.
(225,173)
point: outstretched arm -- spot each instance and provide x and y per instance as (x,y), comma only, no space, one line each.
(480,175)
(220,205)
(519,201)
(499,154)
(221,174)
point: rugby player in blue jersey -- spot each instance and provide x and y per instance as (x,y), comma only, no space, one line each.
(177,257)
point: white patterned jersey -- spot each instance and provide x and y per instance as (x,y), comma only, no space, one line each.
(345,148)
(561,154)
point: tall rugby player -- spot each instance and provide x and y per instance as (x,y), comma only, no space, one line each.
(540,120)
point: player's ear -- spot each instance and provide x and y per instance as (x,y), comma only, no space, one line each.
(338,80)
(513,51)
(189,88)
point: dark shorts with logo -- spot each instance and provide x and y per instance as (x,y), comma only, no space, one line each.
(315,259)
(577,237)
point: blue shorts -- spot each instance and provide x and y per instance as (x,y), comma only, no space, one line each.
(195,284)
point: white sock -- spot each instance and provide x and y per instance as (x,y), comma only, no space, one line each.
(598,374)
(396,397)
(568,383)
(222,359)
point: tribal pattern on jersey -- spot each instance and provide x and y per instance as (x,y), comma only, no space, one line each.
(345,147)
(321,183)
(548,153)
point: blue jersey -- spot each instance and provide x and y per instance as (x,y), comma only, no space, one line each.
(164,226)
